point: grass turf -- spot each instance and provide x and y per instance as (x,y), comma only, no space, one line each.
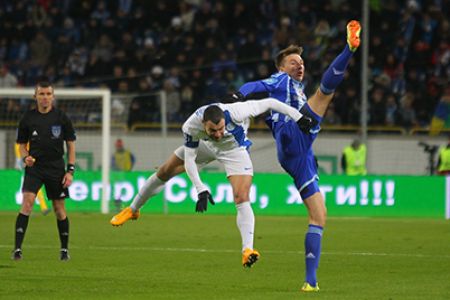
(198,257)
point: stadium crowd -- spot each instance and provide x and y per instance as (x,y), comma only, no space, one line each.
(198,50)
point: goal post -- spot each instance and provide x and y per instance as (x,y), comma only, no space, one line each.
(74,93)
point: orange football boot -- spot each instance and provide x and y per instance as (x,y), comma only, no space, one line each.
(249,257)
(125,215)
(353,31)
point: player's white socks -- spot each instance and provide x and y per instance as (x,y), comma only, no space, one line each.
(246,223)
(152,186)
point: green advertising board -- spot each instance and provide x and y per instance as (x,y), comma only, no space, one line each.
(271,194)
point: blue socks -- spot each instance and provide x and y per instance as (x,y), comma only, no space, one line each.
(335,72)
(313,246)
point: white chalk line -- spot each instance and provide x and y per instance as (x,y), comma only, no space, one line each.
(204,250)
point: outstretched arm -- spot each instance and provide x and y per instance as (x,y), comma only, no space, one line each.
(253,87)
(253,108)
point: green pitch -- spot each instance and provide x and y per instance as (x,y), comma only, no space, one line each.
(198,257)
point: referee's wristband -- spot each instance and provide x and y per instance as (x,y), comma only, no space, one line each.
(70,168)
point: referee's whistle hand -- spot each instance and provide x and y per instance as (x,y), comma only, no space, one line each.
(67,180)
(29,161)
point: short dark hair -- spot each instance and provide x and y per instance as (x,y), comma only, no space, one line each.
(214,114)
(292,49)
(42,84)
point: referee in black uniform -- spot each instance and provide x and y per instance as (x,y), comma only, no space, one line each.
(45,128)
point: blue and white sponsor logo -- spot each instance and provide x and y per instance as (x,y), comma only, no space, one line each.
(230,127)
(56,131)
(270,80)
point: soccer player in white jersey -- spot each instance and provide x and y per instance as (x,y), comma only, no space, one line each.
(215,132)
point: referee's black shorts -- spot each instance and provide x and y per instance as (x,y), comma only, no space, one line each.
(50,174)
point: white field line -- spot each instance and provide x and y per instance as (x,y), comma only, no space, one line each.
(201,250)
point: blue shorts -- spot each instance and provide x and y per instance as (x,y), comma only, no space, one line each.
(295,154)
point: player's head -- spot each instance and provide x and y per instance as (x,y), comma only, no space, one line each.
(289,60)
(43,93)
(214,122)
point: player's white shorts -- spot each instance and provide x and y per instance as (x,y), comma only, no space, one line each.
(236,161)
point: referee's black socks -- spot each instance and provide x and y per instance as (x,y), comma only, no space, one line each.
(21,228)
(63,228)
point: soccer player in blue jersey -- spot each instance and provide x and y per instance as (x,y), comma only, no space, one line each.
(294,143)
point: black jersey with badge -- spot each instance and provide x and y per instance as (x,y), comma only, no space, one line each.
(46,133)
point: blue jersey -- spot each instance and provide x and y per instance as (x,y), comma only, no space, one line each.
(281,87)
(294,147)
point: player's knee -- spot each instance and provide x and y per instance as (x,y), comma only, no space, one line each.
(318,220)
(172,167)
(240,197)
(319,216)
(164,173)
(321,220)
(319,102)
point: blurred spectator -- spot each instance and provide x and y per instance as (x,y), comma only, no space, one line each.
(144,107)
(213,46)
(6,78)
(392,114)
(443,164)
(38,15)
(104,48)
(157,76)
(70,31)
(441,117)
(173,101)
(303,34)
(322,31)
(441,59)
(101,12)
(187,13)
(122,159)
(187,101)
(40,50)
(283,32)
(124,8)
(377,111)
(353,160)
(407,113)
(77,61)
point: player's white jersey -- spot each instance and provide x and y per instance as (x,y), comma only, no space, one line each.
(236,125)
(237,121)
